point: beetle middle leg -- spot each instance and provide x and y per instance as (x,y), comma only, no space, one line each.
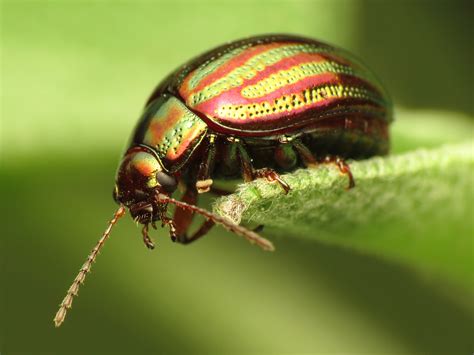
(250,174)
(272,176)
(343,167)
(310,161)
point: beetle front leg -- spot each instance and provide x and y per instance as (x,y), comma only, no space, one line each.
(172,227)
(202,231)
(182,219)
(204,181)
(146,238)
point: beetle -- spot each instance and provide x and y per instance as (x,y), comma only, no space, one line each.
(252,108)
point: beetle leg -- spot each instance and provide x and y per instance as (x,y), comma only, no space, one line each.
(146,238)
(343,167)
(245,162)
(272,176)
(310,161)
(203,229)
(172,227)
(182,218)
(305,154)
(182,221)
(204,181)
(250,174)
(284,154)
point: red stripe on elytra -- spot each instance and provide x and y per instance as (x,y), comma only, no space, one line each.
(221,71)
(296,116)
(269,120)
(186,141)
(185,91)
(296,60)
(234,97)
(285,64)
(158,128)
(229,66)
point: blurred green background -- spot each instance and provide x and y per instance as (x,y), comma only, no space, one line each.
(74,77)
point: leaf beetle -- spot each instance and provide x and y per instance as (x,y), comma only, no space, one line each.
(252,108)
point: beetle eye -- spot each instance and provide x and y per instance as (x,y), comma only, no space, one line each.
(166,181)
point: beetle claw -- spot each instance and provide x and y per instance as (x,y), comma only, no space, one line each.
(146,238)
(272,176)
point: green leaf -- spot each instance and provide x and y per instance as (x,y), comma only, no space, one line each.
(415,208)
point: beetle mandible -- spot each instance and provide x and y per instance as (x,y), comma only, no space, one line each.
(252,108)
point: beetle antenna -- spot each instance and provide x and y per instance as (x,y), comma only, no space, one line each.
(74,289)
(251,236)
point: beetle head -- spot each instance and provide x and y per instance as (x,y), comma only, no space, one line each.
(139,177)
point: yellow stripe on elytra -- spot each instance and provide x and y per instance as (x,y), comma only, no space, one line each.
(250,68)
(290,102)
(292,75)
